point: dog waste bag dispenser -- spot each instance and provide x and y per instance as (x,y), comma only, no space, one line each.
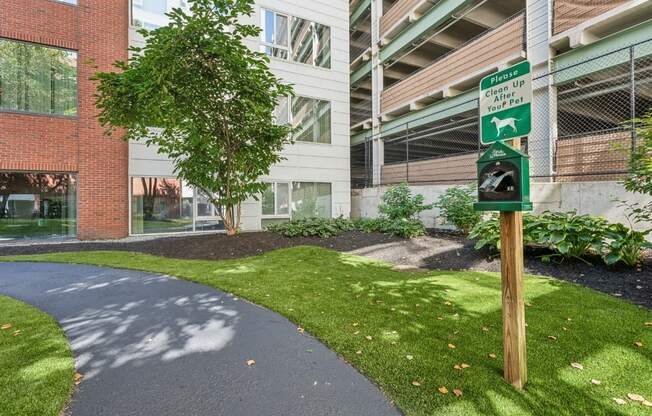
(503,180)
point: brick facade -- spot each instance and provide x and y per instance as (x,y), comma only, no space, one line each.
(98,31)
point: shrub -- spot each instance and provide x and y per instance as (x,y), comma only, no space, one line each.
(402,227)
(486,233)
(456,205)
(399,203)
(313,227)
(569,234)
(624,244)
(639,178)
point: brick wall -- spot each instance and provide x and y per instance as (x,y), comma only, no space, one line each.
(97,30)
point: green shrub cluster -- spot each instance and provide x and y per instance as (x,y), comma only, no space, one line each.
(456,206)
(313,227)
(399,215)
(570,235)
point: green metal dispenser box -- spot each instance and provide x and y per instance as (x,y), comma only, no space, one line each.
(503,180)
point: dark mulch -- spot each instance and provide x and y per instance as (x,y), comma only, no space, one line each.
(439,250)
(209,246)
(634,284)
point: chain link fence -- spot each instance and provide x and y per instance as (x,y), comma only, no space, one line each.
(582,128)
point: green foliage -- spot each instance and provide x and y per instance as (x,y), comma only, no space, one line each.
(569,234)
(639,178)
(565,233)
(456,205)
(486,233)
(211,97)
(399,203)
(313,227)
(400,227)
(625,245)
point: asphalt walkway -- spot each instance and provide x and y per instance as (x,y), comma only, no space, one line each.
(155,345)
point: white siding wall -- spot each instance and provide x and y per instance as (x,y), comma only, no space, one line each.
(305,162)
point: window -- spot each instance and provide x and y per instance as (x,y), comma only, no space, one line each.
(282,200)
(311,199)
(276,200)
(311,119)
(274,34)
(37,79)
(37,205)
(68,1)
(168,205)
(309,42)
(151,14)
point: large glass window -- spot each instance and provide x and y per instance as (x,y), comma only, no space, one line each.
(151,14)
(311,199)
(311,119)
(308,43)
(37,205)
(169,205)
(37,79)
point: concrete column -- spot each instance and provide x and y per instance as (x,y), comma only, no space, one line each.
(544,114)
(376,88)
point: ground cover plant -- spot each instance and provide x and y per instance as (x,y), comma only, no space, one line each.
(433,340)
(36,365)
(569,235)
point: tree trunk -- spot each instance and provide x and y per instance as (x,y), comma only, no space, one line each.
(231,219)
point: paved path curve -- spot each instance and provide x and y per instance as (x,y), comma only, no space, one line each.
(155,345)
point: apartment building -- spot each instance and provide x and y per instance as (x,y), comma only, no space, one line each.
(61,176)
(415,69)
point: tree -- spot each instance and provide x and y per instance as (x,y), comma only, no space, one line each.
(211,98)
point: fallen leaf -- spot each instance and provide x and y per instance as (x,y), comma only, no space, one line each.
(457,392)
(447,303)
(635,397)
(596,382)
(485,329)
(648,324)
(368,337)
(301,330)
(492,356)
(529,305)
(415,383)
(78,378)
(16,333)
(440,318)
(577,365)
(355,324)
(619,401)
(251,362)
(646,403)
(409,357)
(451,346)
(457,367)
(465,365)
(5,326)
(356,332)
(638,344)
(564,328)
(358,352)
(552,337)
(443,390)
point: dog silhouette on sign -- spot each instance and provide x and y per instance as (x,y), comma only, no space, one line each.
(501,124)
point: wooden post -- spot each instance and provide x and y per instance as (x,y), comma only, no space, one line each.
(511,259)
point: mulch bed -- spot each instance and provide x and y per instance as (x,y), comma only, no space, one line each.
(632,284)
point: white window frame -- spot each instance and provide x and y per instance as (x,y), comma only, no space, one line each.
(276,215)
(288,47)
(264,44)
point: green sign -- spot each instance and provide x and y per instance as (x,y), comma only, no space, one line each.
(505,109)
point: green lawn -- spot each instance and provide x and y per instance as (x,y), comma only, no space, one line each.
(396,328)
(36,366)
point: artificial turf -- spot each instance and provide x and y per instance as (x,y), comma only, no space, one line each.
(408,330)
(36,365)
